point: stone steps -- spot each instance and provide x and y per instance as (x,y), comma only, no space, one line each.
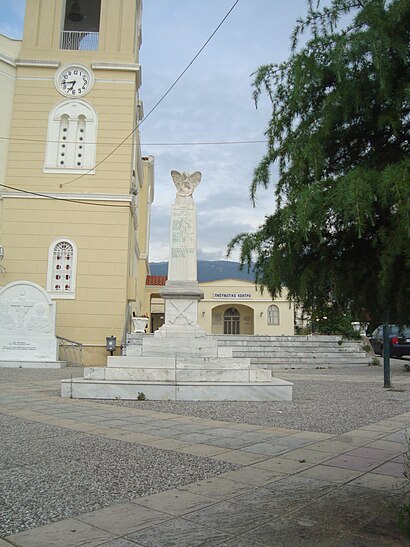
(256,352)
(279,351)
(176,368)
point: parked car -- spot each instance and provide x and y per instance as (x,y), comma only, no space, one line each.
(399,340)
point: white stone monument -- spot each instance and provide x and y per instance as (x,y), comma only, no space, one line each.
(180,362)
(181,292)
(27,327)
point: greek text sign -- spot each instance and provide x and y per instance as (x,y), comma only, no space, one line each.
(232,295)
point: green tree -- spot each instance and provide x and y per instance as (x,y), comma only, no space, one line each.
(338,139)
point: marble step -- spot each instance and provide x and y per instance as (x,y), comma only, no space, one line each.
(299,356)
(178,375)
(291,359)
(313,347)
(289,353)
(276,390)
(131,361)
(309,363)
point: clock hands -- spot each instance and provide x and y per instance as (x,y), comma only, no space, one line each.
(72,82)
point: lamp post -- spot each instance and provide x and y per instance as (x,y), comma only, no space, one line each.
(111,343)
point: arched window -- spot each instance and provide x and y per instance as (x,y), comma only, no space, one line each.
(71,138)
(231,321)
(273,315)
(62,267)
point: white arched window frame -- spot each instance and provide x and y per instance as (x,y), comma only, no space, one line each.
(71,138)
(273,315)
(62,268)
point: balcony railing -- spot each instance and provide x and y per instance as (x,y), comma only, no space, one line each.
(83,41)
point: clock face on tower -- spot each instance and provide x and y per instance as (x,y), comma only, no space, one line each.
(74,80)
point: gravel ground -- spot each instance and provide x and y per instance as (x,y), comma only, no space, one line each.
(327,400)
(48,473)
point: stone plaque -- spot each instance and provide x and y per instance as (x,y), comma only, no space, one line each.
(27,323)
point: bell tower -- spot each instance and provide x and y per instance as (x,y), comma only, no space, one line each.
(76,177)
(111,29)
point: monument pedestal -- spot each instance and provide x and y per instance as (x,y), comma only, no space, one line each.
(180,362)
(181,310)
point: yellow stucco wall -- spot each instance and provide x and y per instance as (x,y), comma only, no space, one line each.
(111,235)
(9,50)
(31,225)
(35,95)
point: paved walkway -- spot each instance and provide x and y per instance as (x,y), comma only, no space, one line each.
(294,488)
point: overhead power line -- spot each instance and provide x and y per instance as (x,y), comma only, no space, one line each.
(69,200)
(131,133)
(160,99)
(191,143)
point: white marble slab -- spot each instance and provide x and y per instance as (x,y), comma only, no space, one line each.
(174,343)
(134,350)
(79,388)
(134,361)
(212,375)
(277,390)
(173,349)
(212,363)
(232,392)
(27,323)
(260,375)
(141,374)
(225,352)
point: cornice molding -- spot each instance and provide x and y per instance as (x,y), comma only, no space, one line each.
(78,197)
(8,60)
(129,67)
(37,63)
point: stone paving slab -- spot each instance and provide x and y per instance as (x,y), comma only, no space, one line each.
(66,533)
(124,518)
(175,502)
(179,533)
(218,488)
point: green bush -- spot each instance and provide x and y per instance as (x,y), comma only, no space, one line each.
(333,320)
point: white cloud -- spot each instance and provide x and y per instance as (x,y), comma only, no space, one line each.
(212,102)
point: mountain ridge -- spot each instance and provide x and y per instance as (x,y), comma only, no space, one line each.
(210,270)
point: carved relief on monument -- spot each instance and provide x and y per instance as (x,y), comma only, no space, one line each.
(181,312)
(20,311)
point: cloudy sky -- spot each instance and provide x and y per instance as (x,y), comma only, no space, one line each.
(211,103)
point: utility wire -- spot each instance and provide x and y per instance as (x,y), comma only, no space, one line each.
(192,143)
(82,202)
(130,134)
(159,100)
